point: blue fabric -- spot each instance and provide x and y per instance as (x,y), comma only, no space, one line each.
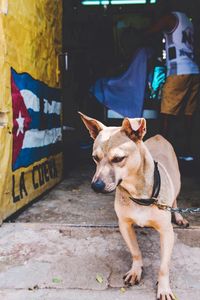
(40,89)
(43,121)
(28,156)
(39,120)
(159,77)
(125,94)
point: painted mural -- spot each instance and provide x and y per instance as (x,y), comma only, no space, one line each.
(30,101)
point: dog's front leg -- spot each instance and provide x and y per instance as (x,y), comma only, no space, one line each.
(166,243)
(133,276)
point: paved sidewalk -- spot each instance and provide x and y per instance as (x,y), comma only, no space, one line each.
(74,202)
(56,261)
(111,294)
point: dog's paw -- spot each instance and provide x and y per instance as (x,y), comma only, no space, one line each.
(179,220)
(164,292)
(133,276)
(165,295)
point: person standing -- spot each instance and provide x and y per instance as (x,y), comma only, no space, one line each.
(181,89)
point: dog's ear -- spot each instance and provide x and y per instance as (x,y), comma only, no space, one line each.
(92,125)
(135,128)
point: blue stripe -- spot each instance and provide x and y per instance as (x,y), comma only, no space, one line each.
(43,121)
(42,90)
(29,156)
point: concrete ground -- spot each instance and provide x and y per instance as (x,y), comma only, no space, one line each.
(55,261)
(67,246)
(73,202)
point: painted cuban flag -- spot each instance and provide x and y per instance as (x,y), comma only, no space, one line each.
(36,120)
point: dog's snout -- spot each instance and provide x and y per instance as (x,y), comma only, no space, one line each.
(98,186)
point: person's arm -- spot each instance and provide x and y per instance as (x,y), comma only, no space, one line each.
(166,23)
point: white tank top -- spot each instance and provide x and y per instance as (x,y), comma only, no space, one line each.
(179,47)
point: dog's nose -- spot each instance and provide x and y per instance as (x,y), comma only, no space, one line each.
(98,186)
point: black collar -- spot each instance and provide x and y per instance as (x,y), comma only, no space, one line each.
(155,192)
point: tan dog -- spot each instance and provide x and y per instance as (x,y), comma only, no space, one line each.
(125,163)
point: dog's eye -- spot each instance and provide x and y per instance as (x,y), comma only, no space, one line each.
(118,159)
(96,158)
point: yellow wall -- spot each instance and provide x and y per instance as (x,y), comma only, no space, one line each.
(30,39)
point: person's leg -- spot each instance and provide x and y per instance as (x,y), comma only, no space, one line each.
(173,95)
(167,105)
(166,126)
(190,108)
(187,151)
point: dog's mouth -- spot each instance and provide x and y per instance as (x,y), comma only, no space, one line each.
(111,188)
(100,186)
(104,190)
(108,190)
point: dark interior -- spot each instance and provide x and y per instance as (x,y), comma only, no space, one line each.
(96,49)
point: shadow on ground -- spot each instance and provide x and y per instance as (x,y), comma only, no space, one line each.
(73,202)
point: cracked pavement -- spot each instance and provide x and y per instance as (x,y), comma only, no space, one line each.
(59,246)
(39,259)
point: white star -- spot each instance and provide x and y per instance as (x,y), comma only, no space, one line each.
(20,122)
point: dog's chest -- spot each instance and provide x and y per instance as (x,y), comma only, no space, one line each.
(139,215)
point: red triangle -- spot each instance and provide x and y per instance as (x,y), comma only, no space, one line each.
(19,111)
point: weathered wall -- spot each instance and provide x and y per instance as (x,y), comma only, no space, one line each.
(30,100)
